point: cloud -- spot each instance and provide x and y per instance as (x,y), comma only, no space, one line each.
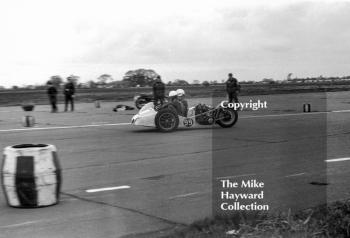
(181,39)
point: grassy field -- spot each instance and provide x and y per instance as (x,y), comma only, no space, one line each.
(18,97)
(317,222)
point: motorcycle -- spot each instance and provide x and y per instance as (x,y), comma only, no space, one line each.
(166,118)
(142,99)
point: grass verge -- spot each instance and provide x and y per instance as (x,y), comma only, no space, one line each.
(331,220)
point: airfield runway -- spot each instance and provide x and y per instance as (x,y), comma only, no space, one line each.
(125,181)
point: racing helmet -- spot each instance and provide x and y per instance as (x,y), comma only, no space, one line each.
(172,93)
(180,92)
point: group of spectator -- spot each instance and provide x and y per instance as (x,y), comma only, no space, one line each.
(68,91)
(232,89)
(176,97)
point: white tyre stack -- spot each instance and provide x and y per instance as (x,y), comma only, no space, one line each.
(307,107)
(31,175)
(28,120)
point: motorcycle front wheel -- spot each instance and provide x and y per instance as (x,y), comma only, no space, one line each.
(227,117)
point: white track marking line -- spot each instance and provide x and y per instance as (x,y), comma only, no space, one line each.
(337,160)
(69,199)
(284,115)
(127,123)
(184,195)
(341,111)
(20,224)
(11,111)
(294,114)
(294,175)
(95,190)
(64,127)
(235,176)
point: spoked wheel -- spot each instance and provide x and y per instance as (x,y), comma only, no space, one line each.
(227,117)
(166,120)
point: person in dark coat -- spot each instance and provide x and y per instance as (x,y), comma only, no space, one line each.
(52,93)
(232,88)
(69,92)
(158,91)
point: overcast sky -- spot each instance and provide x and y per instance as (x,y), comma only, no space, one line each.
(186,39)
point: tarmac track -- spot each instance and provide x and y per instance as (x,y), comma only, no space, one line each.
(165,180)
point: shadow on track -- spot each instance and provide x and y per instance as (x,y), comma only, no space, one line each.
(154,130)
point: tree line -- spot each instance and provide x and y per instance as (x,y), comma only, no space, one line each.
(132,78)
(146,78)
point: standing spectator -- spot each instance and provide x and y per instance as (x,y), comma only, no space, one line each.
(52,93)
(158,91)
(232,88)
(69,91)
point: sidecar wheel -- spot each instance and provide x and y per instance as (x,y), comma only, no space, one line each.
(227,118)
(166,120)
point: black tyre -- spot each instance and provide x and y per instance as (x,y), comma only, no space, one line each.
(140,102)
(166,120)
(227,118)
